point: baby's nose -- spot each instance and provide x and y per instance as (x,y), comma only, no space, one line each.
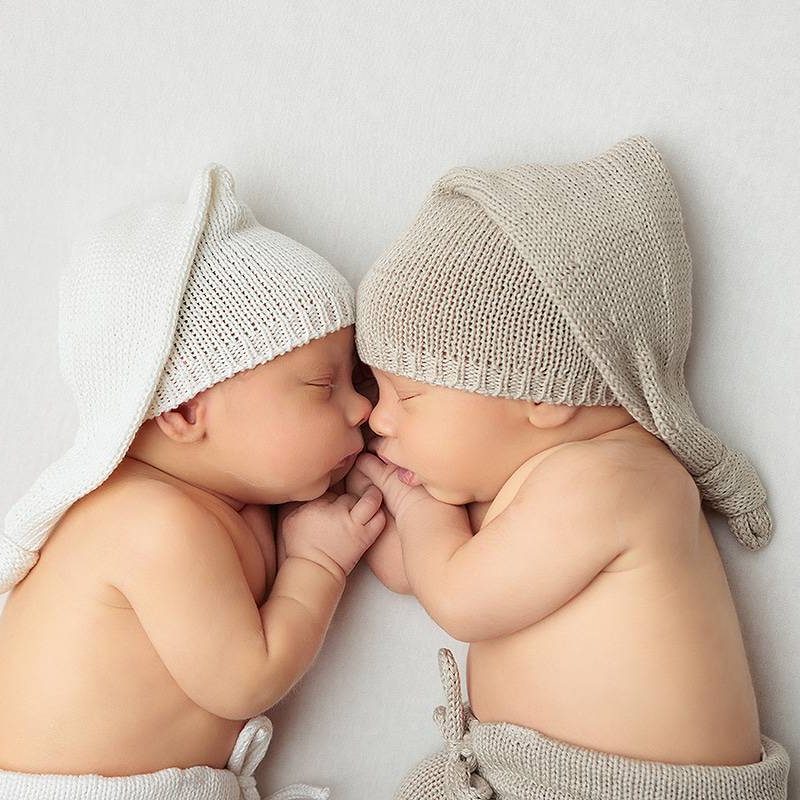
(379,421)
(364,410)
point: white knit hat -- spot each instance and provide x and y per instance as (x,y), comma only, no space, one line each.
(158,304)
(560,283)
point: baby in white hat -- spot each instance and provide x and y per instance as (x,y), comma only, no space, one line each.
(158,609)
(543,469)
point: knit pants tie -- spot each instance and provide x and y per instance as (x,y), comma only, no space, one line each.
(454,719)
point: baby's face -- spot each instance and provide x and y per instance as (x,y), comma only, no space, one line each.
(461,446)
(284,430)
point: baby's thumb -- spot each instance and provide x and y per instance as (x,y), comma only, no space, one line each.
(367,506)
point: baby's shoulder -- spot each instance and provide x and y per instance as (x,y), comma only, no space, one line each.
(133,511)
(129,496)
(141,506)
(633,480)
(634,465)
(95,537)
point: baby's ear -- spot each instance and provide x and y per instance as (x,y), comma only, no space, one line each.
(184,424)
(549,415)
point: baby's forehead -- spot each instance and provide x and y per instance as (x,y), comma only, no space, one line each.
(334,349)
(332,352)
(401,380)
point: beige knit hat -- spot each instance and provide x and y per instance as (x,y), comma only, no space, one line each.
(566,284)
(158,304)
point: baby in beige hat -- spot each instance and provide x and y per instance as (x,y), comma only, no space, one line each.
(156,610)
(543,471)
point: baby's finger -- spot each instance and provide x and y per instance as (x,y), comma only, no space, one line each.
(347,500)
(357,482)
(375,526)
(376,470)
(367,506)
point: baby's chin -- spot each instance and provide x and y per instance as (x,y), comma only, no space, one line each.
(450,496)
(316,488)
(336,475)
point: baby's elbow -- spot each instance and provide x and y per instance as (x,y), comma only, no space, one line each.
(458,620)
(234,699)
(396,583)
(459,633)
(271,687)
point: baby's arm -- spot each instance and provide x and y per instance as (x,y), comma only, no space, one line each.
(260,518)
(544,548)
(181,574)
(385,559)
(385,556)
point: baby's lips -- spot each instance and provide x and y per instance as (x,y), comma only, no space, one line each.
(407,477)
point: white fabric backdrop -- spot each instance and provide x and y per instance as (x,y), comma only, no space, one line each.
(335,118)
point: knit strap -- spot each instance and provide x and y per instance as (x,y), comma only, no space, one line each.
(249,751)
(461,780)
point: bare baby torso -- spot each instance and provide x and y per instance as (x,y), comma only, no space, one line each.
(82,689)
(648,660)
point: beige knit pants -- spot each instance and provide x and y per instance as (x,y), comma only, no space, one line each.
(501,761)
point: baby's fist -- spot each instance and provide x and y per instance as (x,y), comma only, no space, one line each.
(332,530)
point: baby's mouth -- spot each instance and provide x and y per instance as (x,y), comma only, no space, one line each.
(404,475)
(407,477)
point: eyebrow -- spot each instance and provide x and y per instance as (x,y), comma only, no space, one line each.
(402,383)
(331,363)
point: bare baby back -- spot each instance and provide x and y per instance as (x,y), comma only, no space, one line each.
(82,687)
(647,660)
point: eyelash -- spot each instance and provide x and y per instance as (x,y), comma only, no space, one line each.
(330,385)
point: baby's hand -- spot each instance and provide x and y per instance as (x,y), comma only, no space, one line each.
(332,530)
(398,497)
(385,556)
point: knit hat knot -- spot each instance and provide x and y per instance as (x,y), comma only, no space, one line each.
(733,488)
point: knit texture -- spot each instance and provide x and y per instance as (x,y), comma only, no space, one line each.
(252,294)
(158,304)
(566,284)
(235,782)
(501,761)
